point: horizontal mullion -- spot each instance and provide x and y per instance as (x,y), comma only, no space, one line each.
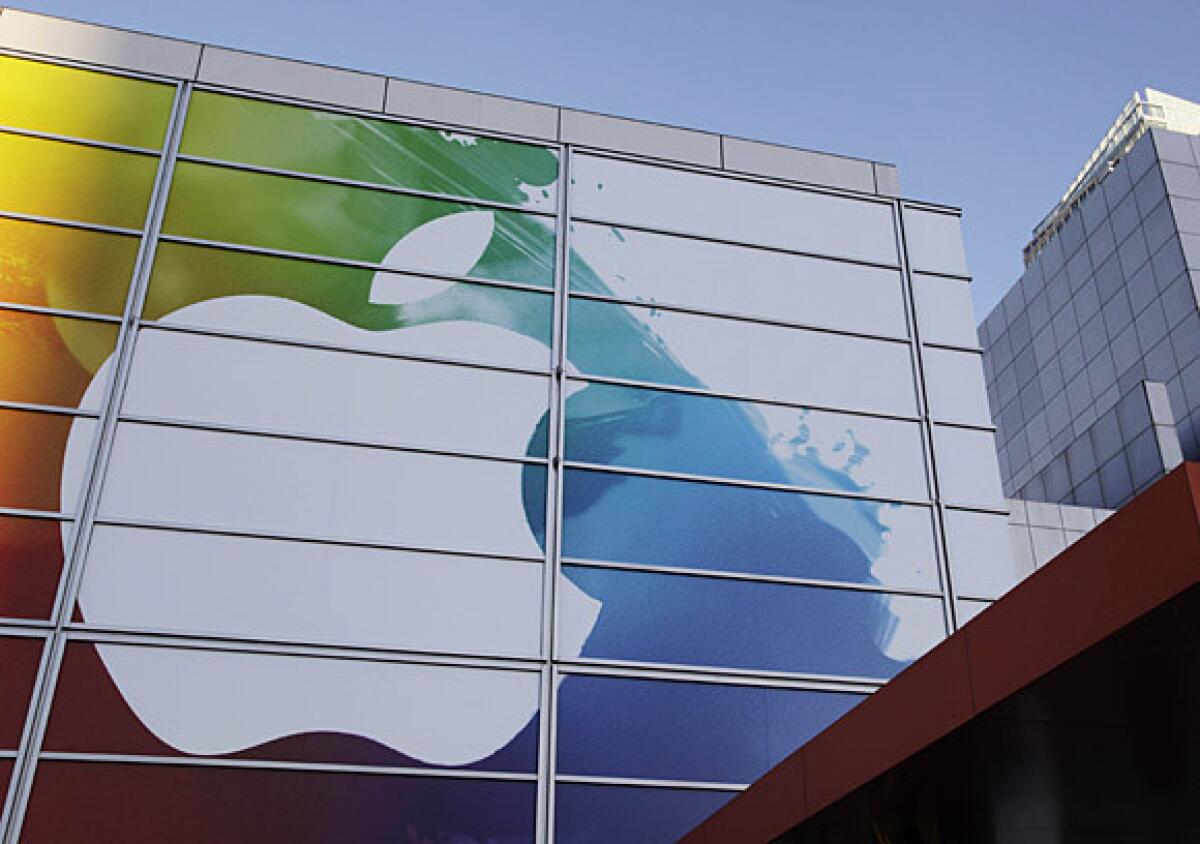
(352,263)
(60,312)
(25,628)
(280,765)
(689,675)
(110,70)
(939,274)
(697,310)
(969,507)
(636,782)
(745,397)
(8,754)
(831,681)
(51,515)
(83,142)
(745,484)
(358,183)
(952,347)
(52,409)
(320,439)
(218,643)
(966,426)
(316,539)
(70,224)
(282,340)
(707,238)
(753,577)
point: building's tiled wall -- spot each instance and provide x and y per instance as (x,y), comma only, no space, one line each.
(1109,302)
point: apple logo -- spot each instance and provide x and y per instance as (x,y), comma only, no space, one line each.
(209,703)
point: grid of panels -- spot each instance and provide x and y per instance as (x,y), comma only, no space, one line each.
(561,459)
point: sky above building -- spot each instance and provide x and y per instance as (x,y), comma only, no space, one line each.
(989,106)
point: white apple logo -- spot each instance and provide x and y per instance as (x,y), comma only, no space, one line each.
(203,702)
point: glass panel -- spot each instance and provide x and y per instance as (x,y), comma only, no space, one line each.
(74,182)
(401,232)
(311,592)
(732,209)
(19,659)
(982,563)
(584,814)
(359,148)
(693,524)
(674,432)
(967,610)
(45,458)
(235,291)
(200,805)
(944,311)
(735,279)
(83,103)
(935,242)
(764,361)
(337,394)
(60,267)
(718,622)
(54,360)
(955,386)
(31,559)
(967,466)
(177,702)
(286,486)
(704,732)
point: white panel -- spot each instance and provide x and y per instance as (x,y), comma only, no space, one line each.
(635,136)
(955,386)
(311,592)
(210,703)
(967,468)
(799,165)
(740,280)
(76,462)
(944,311)
(760,361)
(967,610)
(302,80)
(333,394)
(260,483)
(934,241)
(982,564)
(467,108)
(733,209)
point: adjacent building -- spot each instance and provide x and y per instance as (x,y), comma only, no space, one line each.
(389,462)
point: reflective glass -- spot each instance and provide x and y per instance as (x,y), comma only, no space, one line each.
(967,610)
(584,814)
(982,564)
(400,232)
(703,732)
(362,149)
(19,659)
(191,804)
(45,458)
(177,702)
(967,466)
(83,103)
(54,360)
(75,182)
(31,559)
(650,267)
(688,620)
(955,387)
(675,432)
(763,361)
(694,524)
(310,301)
(61,267)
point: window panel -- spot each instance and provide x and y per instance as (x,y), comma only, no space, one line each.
(45,458)
(199,805)
(362,149)
(311,592)
(967,610)
(589,813)
(19,660)
(60,267)
(54,360)
(694,524)
(734,209)
(982,564)
(735,279)
(956,388)
(665,347)
(967,467)
(234,291)
(256,483)
(336,394)
(687,620)
(190,702)
(401,232)
(944,311)
(935,242)
(83,103)
(674,432)
(31,559)
(75,182)
(705,732)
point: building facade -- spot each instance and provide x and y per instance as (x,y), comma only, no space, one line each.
(383,462)
(1093,357)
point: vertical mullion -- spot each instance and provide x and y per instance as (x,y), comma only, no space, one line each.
(23,771)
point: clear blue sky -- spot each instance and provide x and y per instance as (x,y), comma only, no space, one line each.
(991,106)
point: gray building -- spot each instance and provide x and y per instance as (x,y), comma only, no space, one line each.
(1092,359)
